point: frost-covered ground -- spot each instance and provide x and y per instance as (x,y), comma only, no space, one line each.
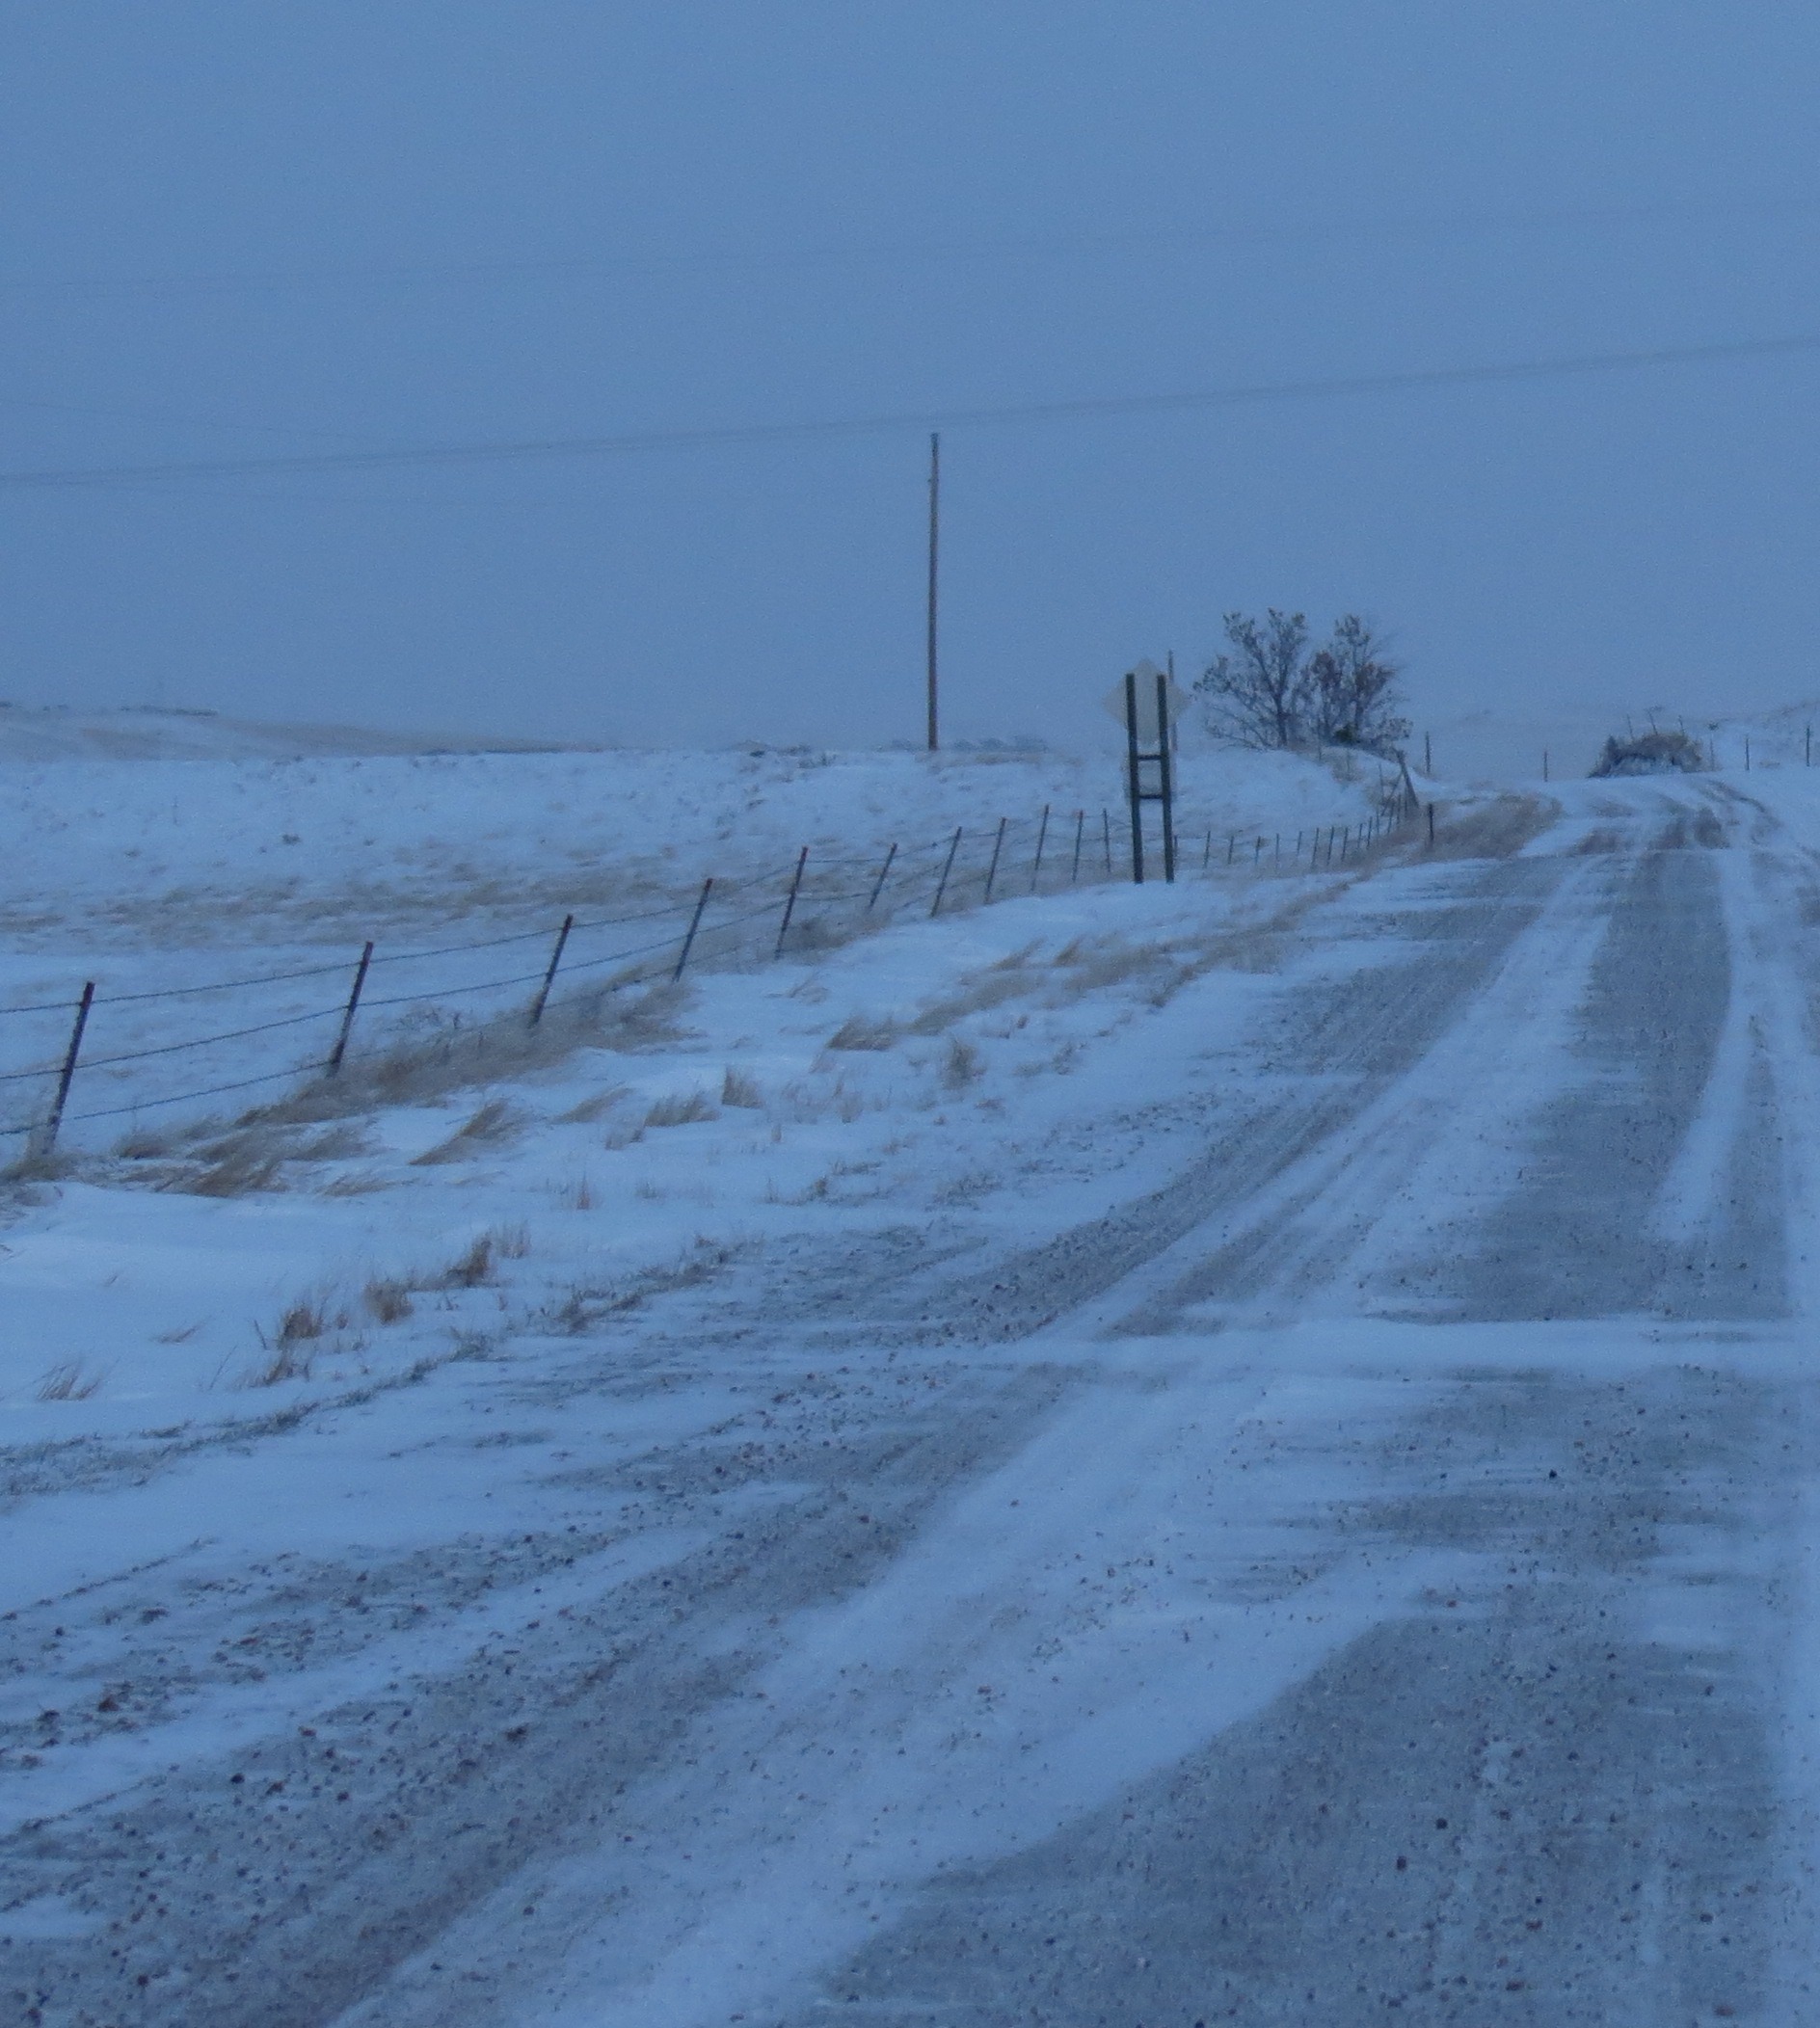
(1243,1451)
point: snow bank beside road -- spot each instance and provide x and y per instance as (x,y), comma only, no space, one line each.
(797,1098)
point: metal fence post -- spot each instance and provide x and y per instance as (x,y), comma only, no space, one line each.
(46,1139)
(1042,836)
(998,846)
(549,976)
(695,924)
(789,904)
(340,1048)
(878,885)
(1080,833)
(948,867)
(1106,826)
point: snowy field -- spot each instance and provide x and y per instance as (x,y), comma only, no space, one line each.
(1241,1451)
(220,904)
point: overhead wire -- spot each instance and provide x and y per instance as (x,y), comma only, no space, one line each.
(1077,409)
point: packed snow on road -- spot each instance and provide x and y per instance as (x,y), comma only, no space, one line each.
(1235,1450)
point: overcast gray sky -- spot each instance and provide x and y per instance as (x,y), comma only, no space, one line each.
(238,232)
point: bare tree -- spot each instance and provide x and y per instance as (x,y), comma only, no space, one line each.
(1259,694)
(1352,683)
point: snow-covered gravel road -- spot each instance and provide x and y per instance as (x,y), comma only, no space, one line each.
(1366,1565)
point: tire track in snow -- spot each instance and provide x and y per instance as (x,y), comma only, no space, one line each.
(1589,1737)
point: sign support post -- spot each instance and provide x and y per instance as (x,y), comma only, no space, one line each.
(1150,720)
(1134,793)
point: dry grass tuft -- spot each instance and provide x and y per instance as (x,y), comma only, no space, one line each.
(738,1089)
(1093,967)
(863,1032)
(682,1111)
(67,1382)
(473,1268)
(237,1165)
(594,1109)
(990,989)
(343,1142)
(494,1122)
(444,1054)
(961,1065)
(281,1363)
(1016,960)
(305,1319)
(389,1301)
(290,1351)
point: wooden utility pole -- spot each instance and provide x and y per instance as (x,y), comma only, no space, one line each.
(935,533)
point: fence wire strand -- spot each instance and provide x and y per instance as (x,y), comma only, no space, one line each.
(894,879)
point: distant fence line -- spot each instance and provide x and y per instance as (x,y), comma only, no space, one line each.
(813,901)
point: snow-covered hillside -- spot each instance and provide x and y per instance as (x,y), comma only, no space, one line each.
(230,851)
(155,733)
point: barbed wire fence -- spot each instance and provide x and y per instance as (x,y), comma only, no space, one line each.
(815,901)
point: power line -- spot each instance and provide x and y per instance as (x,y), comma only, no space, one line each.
(629,443)
(1066,246)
